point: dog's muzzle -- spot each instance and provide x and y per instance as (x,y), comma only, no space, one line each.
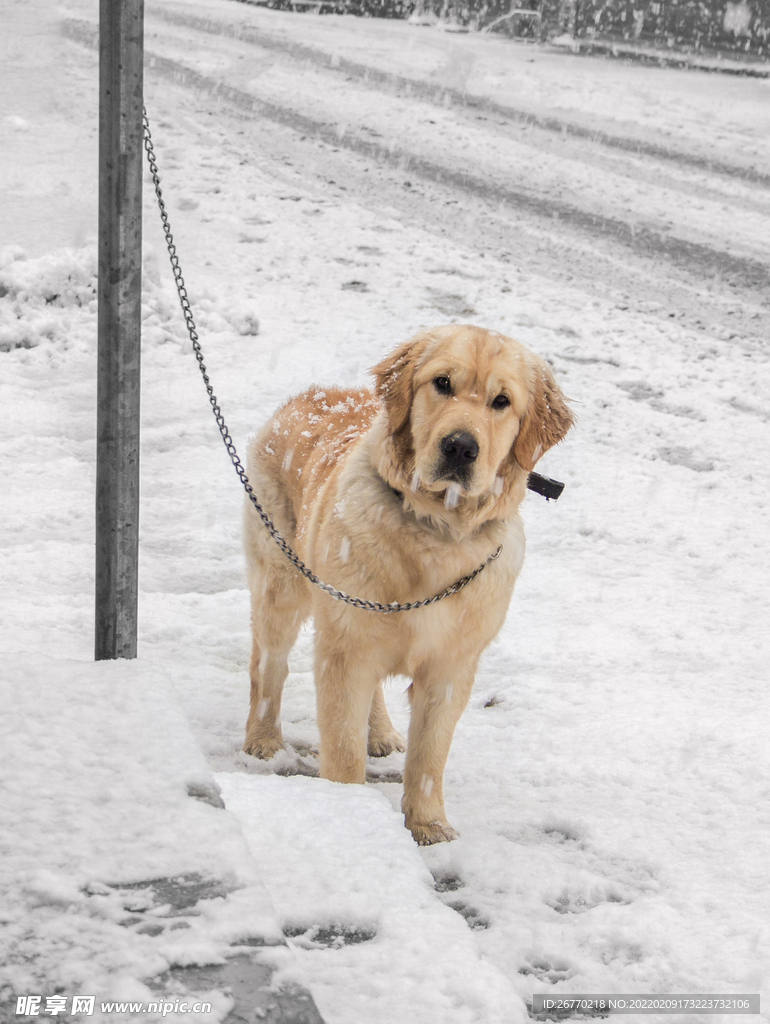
(459,451)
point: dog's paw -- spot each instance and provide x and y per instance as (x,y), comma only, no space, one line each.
(263,747)
(381,746)
(433,832)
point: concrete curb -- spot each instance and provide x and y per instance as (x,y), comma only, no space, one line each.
(659,58)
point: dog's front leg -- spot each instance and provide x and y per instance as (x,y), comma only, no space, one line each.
(438,695)
(345,685)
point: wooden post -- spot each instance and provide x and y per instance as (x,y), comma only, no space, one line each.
(121,46)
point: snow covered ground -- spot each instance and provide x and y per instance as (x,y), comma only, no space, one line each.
(611,777)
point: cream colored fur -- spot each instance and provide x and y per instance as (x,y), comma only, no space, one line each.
(353,480)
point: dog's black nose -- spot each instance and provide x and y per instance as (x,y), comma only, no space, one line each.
(459,448)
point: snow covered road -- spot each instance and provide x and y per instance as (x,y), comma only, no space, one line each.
(619,199)
(611,777)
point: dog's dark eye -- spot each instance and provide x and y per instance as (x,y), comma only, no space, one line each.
(500,402)
(443,385)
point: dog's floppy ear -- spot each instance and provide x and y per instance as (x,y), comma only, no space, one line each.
(546,420)
(394,382)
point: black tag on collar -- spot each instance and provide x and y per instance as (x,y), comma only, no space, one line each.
(550,489)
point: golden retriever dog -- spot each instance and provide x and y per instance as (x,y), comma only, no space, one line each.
(392,495)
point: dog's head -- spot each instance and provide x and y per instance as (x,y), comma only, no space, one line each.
(469,413)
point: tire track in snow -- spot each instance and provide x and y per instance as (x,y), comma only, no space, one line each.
(441,95)
(708,263)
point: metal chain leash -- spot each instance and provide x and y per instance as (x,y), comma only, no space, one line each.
(338,595)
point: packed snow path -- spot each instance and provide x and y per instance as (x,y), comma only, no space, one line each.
(610,778)
(596,200)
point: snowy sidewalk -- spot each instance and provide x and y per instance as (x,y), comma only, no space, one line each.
(129,881)
(354,892)
(126,880)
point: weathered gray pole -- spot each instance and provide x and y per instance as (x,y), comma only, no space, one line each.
(121,46)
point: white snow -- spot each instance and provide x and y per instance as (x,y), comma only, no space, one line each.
(610,779)
(97,762)
(340,857)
